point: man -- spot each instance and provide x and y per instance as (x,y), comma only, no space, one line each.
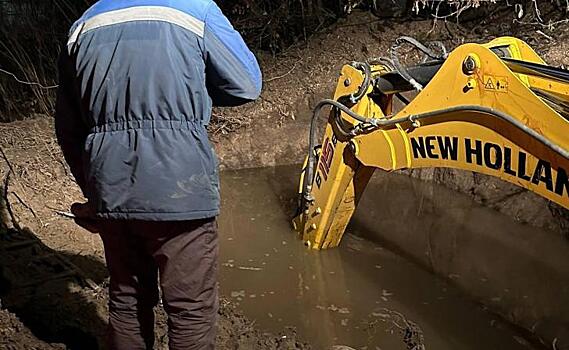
(138,79)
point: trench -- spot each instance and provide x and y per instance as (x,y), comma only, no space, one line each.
(381,289)
(420,267)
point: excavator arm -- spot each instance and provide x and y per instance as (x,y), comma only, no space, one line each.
(495,109)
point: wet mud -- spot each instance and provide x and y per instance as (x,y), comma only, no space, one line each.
(514,269)
(360,295)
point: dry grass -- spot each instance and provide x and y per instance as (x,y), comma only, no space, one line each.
(30,35)
(30,39)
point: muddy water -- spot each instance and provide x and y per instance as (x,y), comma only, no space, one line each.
(360,295)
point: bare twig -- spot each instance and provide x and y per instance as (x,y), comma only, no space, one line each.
(14,220)
(412,333)
(543,34)
(27,206)
(6,192)
(278,107)
(65,214)
(537,11)
(4,212)
(5,157)
(50,87)
(284,75)
(549,26)
(303,19)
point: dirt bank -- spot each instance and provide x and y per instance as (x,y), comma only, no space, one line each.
(38,185)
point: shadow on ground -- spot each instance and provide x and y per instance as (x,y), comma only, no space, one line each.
(47,291)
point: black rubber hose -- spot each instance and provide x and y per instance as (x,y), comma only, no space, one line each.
(474,108)
(495,113)
(427,51)
(402,71)
(444,54)
(379,123)
(383,61)
(355,97)
(392,82)
(309,175)
(402,98)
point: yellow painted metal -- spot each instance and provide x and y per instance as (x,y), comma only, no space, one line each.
(473,140)
(482,143)
(517,48)
(340,178)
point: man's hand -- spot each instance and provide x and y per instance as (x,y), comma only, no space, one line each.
(85,216)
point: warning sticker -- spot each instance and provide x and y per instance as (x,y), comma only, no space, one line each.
(497,84)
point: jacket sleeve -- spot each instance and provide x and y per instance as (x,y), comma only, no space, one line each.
(70,129)
(233,76)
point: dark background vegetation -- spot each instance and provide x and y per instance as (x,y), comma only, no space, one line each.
(31,32)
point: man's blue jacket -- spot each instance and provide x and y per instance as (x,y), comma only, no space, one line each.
(138,79)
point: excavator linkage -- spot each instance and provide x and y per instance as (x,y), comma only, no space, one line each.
(495,109)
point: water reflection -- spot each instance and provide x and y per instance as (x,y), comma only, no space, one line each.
(360,294)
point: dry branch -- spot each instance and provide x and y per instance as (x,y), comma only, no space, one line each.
(13,222)
(29,55)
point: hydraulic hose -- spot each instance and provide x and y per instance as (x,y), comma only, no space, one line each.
(383,61)
(427,51)
(383,123)
(493,112)
(401,69)
(402,98)
(444,54)
(355,97)
(309,178)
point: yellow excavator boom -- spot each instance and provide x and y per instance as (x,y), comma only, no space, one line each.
(495,109)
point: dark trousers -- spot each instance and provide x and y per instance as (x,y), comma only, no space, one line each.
(183,256)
